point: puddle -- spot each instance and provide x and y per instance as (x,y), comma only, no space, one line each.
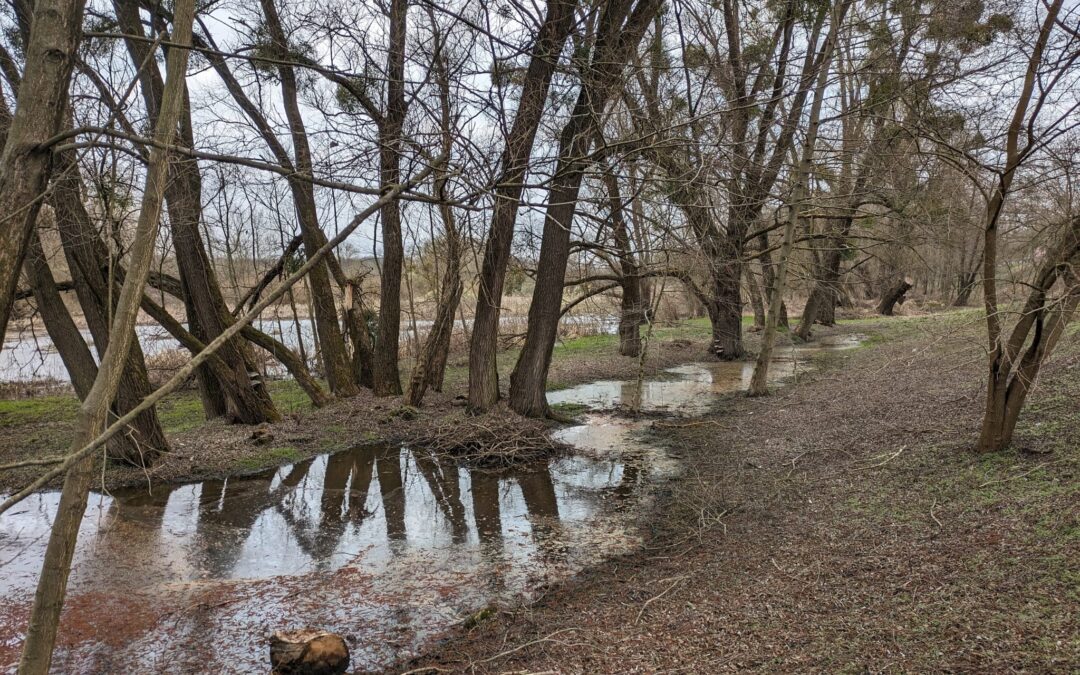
(389,547)
(690,389)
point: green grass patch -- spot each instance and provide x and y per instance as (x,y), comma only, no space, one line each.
(289,397)
(569,409)
(181,412)
(268,457)
(43,409)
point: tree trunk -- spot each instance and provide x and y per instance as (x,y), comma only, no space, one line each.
(339,372)
(755,297)
(768,271)
(631,306)
(240,399)
(432,360)
(25,165)
(87,262)
(893,296)
(620,30)
(483,374)
(132,447)
(821,305)
(968,281)
(52,583)
(725,311)
(387,375)
(759,382)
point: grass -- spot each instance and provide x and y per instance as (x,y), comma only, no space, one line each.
(268,457)
(24,411)
(45,421)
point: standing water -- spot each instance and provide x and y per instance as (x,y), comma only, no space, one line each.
(385,545)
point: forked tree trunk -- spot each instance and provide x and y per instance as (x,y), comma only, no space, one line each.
(39,114)
(759,382)
(88,266)
(240,398)
(88,262)
(483,345)
(52,583)
(622,24)
(132,447)
(1012,375)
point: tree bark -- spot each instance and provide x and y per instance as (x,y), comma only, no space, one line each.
(621,27)
(339,372)
(431,363)
(631,306)
(241,399)
(387,375)
(893,296)
(759,382)
(1044,319)
(25,165)
(87,263)
(483,374)
(132,447)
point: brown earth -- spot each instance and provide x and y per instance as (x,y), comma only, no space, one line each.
(842,524)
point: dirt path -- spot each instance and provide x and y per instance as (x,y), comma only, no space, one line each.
(839,525)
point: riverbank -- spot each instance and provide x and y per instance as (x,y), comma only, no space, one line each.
(842,524)
(41,426)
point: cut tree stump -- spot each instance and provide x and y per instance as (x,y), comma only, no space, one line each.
(894,296)
(308,651)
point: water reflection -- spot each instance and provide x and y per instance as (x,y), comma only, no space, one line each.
(691,389)
(428,539)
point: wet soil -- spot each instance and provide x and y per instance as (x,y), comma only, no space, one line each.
(214,449)
(841,525)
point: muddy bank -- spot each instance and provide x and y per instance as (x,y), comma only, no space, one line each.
(204,450)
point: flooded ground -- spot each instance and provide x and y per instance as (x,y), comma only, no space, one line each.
(29,355)
(690,389)
(385,545)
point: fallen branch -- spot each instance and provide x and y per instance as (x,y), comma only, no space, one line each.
(884,462)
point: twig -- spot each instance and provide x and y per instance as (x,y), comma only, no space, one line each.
(508,652)
(1021,475)
(932,513)
(657,597)
(884,462)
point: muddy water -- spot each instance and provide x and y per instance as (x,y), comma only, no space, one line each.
(690,389)
(390,547)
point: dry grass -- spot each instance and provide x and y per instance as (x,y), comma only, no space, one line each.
(841,525)
(500,440)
